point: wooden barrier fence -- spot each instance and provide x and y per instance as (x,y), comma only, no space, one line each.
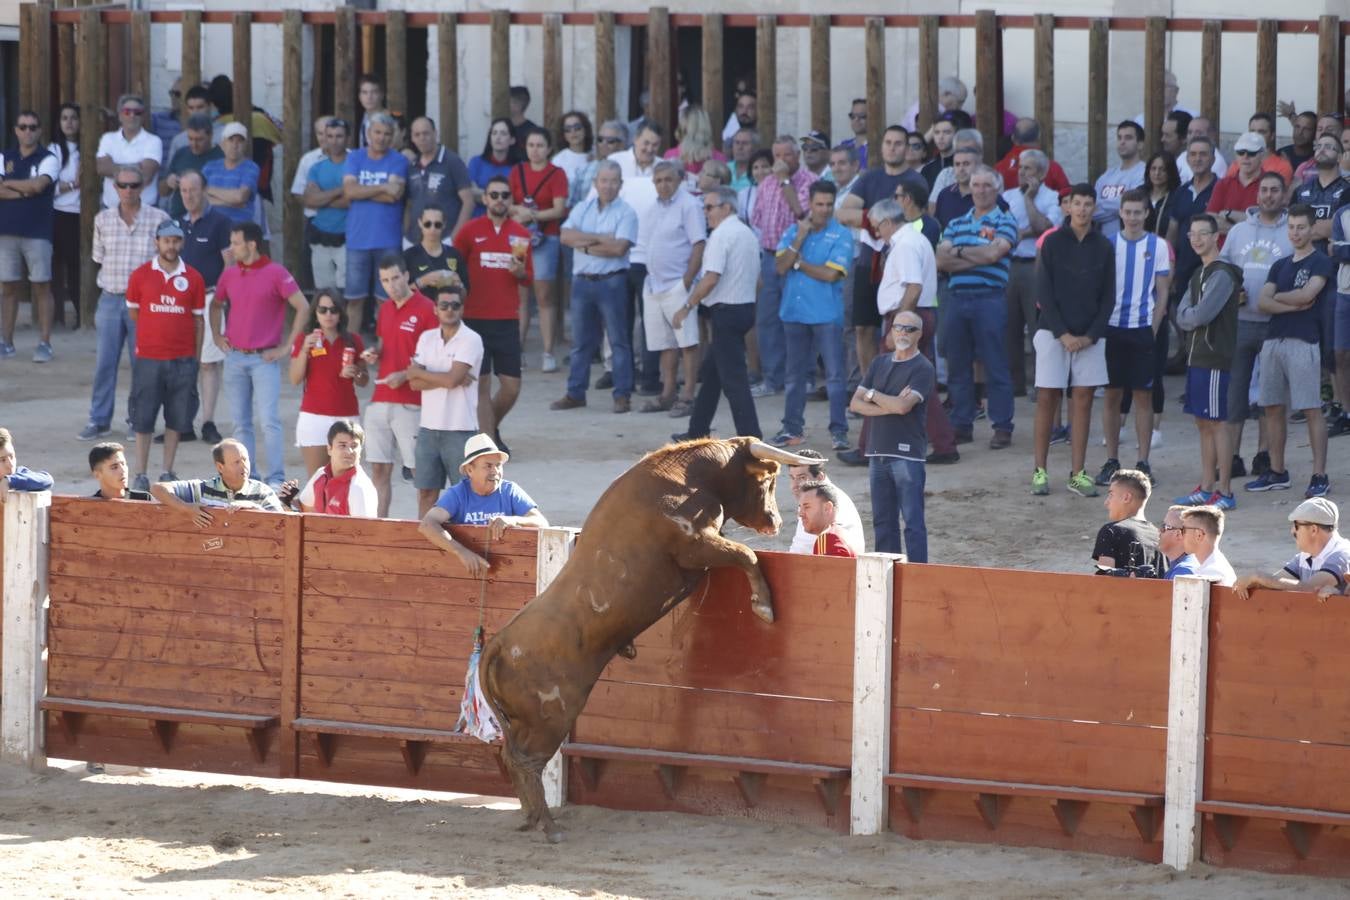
(1134,718)
(81,52)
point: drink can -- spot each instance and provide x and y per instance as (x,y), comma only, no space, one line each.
(348,356)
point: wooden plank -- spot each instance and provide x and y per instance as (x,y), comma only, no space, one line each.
(1020,789)
(553,73)
(132,598)
(384,732)
(396,62)
(242,45)
(367,711)
(431,670)
(23,590)
(1267,50)
(1211,69)
(142,547)
(447,48)
(766,75)
(294,136)
(198,748)
(29,74)
(660,76)
(140,54)
(220,573)
(1035,751)
(1279,813)
(500,63)
(68,511)
(1099,61)
(367,623)
(67,85)
(165,649)
(395,534)
(1330,78)
(1044,90)
(195,626)
(874,37)
(345,70)
(191,67)
(704,760)
(91,73)
(1186,721)
(928,73)
(41,99)
(141,711)
(1155,66)
(230,700)
(72,676)
(605,108)
(820,73)
(333,559)
(330,696)
(367,32)
(293,625)
(1291,773)
(988,97)
(873,631)
(713,86)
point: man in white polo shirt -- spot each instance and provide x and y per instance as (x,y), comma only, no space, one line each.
(130,145)
(444,367)
(1201,528)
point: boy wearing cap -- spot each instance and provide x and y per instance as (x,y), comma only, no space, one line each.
(232,180)
(165,299)
(1322,563)
(482,497)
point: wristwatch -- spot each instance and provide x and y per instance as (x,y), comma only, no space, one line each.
(785,182)
(871,392)
(797,266)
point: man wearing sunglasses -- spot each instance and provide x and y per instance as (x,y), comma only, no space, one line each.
(432,263)
(1322,563)
(124,238)
(1236,192)
(1172,546)
(130,145)
(26,218)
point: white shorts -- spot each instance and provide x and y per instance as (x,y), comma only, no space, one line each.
(311,429)
(210,352)
(658,311)
(330,267)
(1058,368)
(391,428)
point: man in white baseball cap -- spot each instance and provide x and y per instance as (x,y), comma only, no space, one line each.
(1322,563)
(482,497)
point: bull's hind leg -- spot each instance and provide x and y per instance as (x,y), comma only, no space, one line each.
(526,770)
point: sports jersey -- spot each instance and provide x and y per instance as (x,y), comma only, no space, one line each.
(167,305)
(1138,263)
(494,292)
(350,494)
(398,328)
(327,393)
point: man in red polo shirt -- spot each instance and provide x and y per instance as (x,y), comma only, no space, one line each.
(395,409)
(496,250)
(165,299)
(339,487)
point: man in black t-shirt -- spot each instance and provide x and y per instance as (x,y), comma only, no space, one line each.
(108,464)
(893,395)
(1129,541)
(433,263)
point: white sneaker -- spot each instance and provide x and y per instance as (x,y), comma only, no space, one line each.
(548,364)
(1157,440)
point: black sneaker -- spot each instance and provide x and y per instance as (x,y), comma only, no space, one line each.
(1260,464)
(210,433)
(943,459)
(964,435)
(1109,468)
(501,444)
(1240,468)
(852,457)
(604,382)
(407,474)
(1143,466)
(1339,426)
(182,438)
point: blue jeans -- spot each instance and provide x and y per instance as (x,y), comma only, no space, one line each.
(115,330)
(597,304)
(803,343)
(252,384)
(768,327)
(974,326)
(897,490)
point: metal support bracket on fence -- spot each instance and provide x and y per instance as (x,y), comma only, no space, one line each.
(23,585)
(555,545)
(872,629)
(1186,721)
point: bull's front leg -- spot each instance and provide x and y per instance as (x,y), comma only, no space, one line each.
(709,550)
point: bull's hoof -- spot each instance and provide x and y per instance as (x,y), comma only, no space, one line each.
(628,651)
(555,836)
(763,610)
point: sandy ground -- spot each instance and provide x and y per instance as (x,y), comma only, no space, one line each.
(176,834)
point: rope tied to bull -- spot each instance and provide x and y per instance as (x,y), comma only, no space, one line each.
(479,632)
(475,715)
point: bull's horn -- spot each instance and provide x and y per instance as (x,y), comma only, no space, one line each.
(765,451)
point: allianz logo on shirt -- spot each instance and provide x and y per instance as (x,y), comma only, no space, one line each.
(367,178)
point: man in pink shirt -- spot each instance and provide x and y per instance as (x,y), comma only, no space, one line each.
(256,291)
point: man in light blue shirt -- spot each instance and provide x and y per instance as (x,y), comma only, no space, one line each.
(1118,179)
(814,256)
(601,231)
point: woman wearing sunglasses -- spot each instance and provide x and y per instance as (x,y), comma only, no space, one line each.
(327,358)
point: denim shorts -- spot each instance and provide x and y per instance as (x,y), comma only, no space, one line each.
(35,254)
(439,454)
(546,256)
(363,269)
(170,383)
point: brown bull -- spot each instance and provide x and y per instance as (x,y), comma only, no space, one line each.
(649,540)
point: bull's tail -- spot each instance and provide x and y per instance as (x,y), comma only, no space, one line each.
(489,673)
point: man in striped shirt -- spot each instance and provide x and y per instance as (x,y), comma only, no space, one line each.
(1143,274)
(230,489)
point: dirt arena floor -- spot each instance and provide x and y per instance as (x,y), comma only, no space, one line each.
(167,834)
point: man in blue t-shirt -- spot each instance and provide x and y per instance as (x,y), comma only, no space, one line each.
(1295,294)
(482,497)
(232,180)
(374,179)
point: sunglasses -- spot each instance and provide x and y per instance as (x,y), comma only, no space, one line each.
(499,195)
(709,207)
(24,127)
(1167,528)
(449,304)
(609,140)
(132,110)
(907,329)
(433,224)
(1245,152)
(326,310)
(575,126)
(123,186)
(856,116)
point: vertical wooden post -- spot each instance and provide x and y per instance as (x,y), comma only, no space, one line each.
(501,63)
(294,128)
(344,72)
(874,68)
(24,581)
(766,75)
(1267,39)
(192,50)
(1186,721)
(396,62)
(367,49)
(1211,69)
(447,37)
(42,58)
(1155,73)
(712,77)
(553,73)
(140,56)
(29,75)
(1099,59)
(1045,80)
(243,71)
(928,73)
(292,609)
(555,545)
(604,67)
(65,62)
(820,73)
(660,79)
(874,620)
(988,99)
(90,78)
(1329,74)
